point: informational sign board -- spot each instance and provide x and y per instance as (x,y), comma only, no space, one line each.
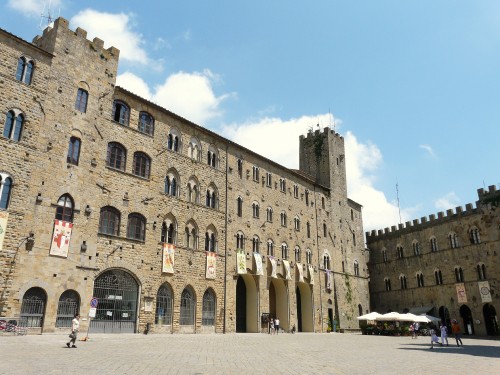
(92,312)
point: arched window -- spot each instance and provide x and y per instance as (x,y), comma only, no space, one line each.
(402,279)
(211,197)
(308,227)
(24,72)
(269,179)
(33,307)
(194,149)
(191,231)
(356,268)
(13,125)
(481,271)
(136,227)
(164,301)
(434,245)
(326,261)
(387,284)
(255,174)
(284,250)
(255,210)
(282,185)
(438,276)
(474,236)
(283,218)
(308,256)
(212,157)
(5,190)
(420,279)
(172,183)
(295,190)
(146,123)
(169,231)
(459,275)
(208,308)
(174,140)
(453,240)
(82,97)
(296,223)
(73,151)
(416,248)
(297,254)
(269,215)
(384,255)
(240,241)
(109,221)
(121,112)
(255,244)
(210,240)
(240,168)
(239,206)
(270,247)
(64,210)
(188,305)
(68,306)
(399,252)
(193,190)
(116,156)
(142,164)
(307,197)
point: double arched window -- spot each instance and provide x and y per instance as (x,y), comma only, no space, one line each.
(25,68)
(173,140)
(194,149)
(270,247)
(14,123)
(283,218)
(212,157)
(420,279)
(193,190)
(255,210)
(172,183)
(284,250)
(211,197)
(211,239)
(5,190)
(169,230)
(297,254)
(191,233)
(240,243)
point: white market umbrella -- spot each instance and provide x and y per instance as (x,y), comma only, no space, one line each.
(392,316)
(430,318)
(409,317)
(370,316)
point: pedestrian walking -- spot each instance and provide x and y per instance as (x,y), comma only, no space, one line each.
(455,329)
(444,334)
(75,327)
(271,326)
(277,325)
(412,330)
(416,328)
(434,338)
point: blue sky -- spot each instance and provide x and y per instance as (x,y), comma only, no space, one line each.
(412,85)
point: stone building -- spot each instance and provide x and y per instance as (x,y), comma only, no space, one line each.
(446,266)
(137,218)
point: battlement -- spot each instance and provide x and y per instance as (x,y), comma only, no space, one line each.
(47,40)
(425,221)
(492,190)
(317,132)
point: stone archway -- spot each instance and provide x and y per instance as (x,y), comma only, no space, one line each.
(490,319)
(304,308)
(246,304)
(278,302)
(468,322)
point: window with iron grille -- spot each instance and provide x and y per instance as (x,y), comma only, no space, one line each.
(163,315)
(208,310)
(68,306)
(187,308)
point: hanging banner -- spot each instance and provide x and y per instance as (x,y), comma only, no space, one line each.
(484,290)
(258,264)
(286,265)
(301,274)
(328,280)
(168,258)
(241,262)
(273,267)
(461,296)
(60,239)
(211,263)
(3,226)
(311,275)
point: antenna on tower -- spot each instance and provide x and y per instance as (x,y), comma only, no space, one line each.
(46,17)
(399,208)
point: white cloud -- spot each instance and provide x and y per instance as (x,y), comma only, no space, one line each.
(450,200)
(429,150)
(189,95)
(116,30)
(33,8)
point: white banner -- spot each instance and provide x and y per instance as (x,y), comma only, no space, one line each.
(168,258)
(484,290)
(461,295)
(211,265)
(311,275)
(3,226)
(328,280)
(300,273)
(241,261)
(273,267)
(258,264)
(286,265)
(60,239)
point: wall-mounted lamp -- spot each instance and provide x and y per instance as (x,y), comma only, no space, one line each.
(88,210)
(83,247)
(30,241)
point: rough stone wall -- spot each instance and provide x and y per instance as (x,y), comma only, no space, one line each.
(467,255)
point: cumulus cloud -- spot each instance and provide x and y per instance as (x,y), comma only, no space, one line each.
(429,150)
(190,95)
(116,30)
(32,8)
(450,200)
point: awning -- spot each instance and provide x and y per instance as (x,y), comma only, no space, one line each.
(420,310)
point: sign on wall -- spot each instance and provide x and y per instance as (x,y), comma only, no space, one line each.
(461,295)
(168,258)
(211,263)
(286,265)
(241,262)
(273,267)
(3,226)
(258,264)
(301,274)
(484,290)
(61,238)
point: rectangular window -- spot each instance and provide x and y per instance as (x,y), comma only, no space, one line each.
(268,179)
(81,100)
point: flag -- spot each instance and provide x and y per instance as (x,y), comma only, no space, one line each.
(211,262)
(60,239)
(168,258)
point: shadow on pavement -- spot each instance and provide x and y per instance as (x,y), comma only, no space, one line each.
(467,349)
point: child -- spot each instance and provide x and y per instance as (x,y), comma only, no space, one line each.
(434,338)
(444,334)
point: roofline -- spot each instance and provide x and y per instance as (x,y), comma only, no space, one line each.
(24,42)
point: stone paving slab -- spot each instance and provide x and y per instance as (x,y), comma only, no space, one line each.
(301,353)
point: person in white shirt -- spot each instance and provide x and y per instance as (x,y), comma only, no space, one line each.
(444,334)
(277,325)
(75,327)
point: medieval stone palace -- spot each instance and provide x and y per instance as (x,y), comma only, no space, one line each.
(116,208)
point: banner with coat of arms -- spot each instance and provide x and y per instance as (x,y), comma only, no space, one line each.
(484,290)
(286,265)
(273,267)
(461,295)
(301,274)
(258,264)
(168,258)
(211,263)
(241,262)
(328,280)
(61,238)
(311,275)
(3,226)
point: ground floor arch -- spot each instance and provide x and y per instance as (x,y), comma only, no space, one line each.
(246,304)
(33,307)
(117,292)
(278,302)
(468,322)
(305,320)
(490,319)
(444,315)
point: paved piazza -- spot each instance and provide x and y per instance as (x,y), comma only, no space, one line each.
(303,353)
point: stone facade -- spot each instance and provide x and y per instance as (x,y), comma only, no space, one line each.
(446,266)
(119,171)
